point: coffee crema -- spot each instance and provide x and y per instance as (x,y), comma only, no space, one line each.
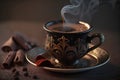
(69,27)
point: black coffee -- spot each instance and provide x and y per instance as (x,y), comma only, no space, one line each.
(68,27)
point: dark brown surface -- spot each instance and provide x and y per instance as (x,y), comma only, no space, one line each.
(106,21)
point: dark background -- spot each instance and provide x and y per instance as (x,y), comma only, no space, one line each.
(107,16)
(31,10)
(28,17)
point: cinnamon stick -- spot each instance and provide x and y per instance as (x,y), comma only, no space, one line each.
(20,57)
(22,41)
(9,45)
(9,59)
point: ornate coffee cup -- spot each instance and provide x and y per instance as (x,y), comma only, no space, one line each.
(69,42)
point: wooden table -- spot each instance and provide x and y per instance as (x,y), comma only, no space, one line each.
(35,32)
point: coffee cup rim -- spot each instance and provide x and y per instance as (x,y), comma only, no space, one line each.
(49,23)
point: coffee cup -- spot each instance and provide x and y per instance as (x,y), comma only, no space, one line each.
(68,42)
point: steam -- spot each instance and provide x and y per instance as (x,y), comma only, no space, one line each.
(79,10)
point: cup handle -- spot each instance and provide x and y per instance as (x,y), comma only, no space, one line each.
(96,35)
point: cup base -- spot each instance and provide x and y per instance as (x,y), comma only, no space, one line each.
(86,61)
(70,66)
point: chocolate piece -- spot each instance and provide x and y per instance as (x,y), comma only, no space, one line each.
(9,45)
(39,57)
(9,59)
(22,41)
(20,57)
(41,61)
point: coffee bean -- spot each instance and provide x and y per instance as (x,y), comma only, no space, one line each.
(16,78)
(24,69)
(14,70)
(16,74)
(35,77)
(26,74)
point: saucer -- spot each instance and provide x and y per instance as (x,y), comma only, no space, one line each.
(92,60)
